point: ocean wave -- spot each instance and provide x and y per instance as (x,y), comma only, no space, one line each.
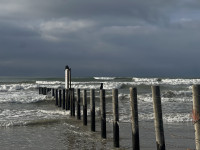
(181,81)
(30,117)
(175,94)
(17,87)
(147,81)
(96,85)
(49,82)
(23,97)
(104,78)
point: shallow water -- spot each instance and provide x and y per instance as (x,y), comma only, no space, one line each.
(32,121)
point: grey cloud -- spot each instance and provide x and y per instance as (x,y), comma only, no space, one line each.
(114,38)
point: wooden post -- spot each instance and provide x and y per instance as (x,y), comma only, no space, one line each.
(56,97)
(103,113)
(73,103)
(116,118)
(39,90)
(196,112)
(66,77)
(134,119)
(70,100)
(67,99)
(78,104)
(70,75)
(84,107)
(64,99)
(48,90)
(60,98)
(53,94)
(92,109)
(44,91)
(158,121)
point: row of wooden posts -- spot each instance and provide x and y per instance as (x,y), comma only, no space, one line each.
(65,98)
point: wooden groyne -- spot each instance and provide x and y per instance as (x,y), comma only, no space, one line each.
(66,99)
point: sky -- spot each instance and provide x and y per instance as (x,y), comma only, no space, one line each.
(132,38)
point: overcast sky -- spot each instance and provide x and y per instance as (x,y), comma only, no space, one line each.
(100,38)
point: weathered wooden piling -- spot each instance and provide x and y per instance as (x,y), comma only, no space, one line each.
(66,77)
(44,91)
(60,98)
(70,75)
(48,90)
(196,112)
(84,107)
(63,99)
(52,92)
(40,90)
(103,113)
(67,103)
(116,118)
(56,97)
(134,118)
(158,121)
(73,102)
(78,99)
(92,109)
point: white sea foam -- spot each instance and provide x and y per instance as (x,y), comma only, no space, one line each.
(177,117)
(21,97)
(146,81)
(96,85)
(155,81)
(104,78)
(49,82)
(24,117)
(181,81)
(167,118)
(17,87)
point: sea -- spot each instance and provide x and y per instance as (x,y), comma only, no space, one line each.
(29,120)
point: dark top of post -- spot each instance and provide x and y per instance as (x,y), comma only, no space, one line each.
(67,67)
(101,87)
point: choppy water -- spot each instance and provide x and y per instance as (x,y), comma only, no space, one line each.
(23,111)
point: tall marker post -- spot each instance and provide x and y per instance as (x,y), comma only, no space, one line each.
(67,77)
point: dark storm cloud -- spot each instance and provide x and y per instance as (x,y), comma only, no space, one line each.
(99,38)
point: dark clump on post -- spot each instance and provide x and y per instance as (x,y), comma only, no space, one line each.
(196,112)
(56,97)
(101,87)
(103,113)
(158,121)
(64,100)
(60,98)
(116,118)
(134,118)
(78,104)
(92,109)
(84,107)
